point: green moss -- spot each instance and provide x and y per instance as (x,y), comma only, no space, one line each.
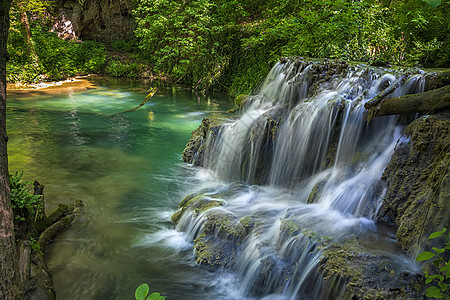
(220,240)
(226,226)
(239,103)
(194,151)
(316,192)
(198,204)
(415,177)
(288,227)
(367,276)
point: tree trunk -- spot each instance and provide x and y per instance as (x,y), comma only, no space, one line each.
(10,284)
(425,102)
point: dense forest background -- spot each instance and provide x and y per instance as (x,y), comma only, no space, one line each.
(230,44)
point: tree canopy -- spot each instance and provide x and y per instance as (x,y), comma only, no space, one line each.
(231,45)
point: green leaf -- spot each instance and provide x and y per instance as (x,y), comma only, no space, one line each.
(435,292)
(142,292)
(425,256)
(436,234)
(438,250)
(155,296)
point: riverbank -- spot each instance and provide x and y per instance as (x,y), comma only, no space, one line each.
(74,84)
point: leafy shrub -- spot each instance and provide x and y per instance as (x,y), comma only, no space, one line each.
(229,44)
(441,274)
(58,59)
(23,202)
(126,46)
(125,69)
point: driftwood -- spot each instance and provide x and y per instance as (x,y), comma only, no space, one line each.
(425,102)
(35,235)
(152,92)
(60,225)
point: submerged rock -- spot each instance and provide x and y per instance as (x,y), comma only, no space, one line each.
(417,177)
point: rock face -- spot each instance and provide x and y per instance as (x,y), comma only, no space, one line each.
(418,198)
(99,20)
(195,148)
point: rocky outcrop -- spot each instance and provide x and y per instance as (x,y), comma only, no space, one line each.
(195,148)
(417,177)
(366,275)
(99,20)
(346,269)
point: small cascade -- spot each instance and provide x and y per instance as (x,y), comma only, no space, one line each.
(308,166)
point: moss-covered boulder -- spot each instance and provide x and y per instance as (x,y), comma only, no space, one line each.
(417,177)
(367,275)
(219,243)
(195,148)
(197,204)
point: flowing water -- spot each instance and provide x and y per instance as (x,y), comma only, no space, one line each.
(304,130)
(126,169)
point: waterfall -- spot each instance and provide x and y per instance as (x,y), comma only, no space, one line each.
(311,165)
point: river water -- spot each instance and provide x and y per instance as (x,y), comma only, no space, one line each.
(126,168)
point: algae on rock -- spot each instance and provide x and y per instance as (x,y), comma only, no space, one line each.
(195,148)
(418,198)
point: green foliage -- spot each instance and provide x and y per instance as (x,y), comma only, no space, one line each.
(142,293)
(441,275)
(125,69)
(58,59)
(35,246)
(126,46)
(232,44)
(23,202)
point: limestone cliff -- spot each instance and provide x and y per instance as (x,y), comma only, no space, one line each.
(99,20)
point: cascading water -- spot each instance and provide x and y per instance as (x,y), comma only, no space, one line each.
(304,164)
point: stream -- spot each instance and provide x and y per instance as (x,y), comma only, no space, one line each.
(126,168)
(281,194)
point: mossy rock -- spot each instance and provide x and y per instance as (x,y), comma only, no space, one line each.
(213,252)
(289,228)
(368,276)
(418,198)
(222,235)
(316,192)
(239,103)
(194,151)
(198,204)
(226,226)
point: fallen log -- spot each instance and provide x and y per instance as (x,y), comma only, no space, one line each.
(386,92)
(60,225)
(425,102)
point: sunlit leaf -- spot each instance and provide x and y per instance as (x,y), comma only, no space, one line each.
(142,292)
(437,233)
(438,250)
(425,256)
